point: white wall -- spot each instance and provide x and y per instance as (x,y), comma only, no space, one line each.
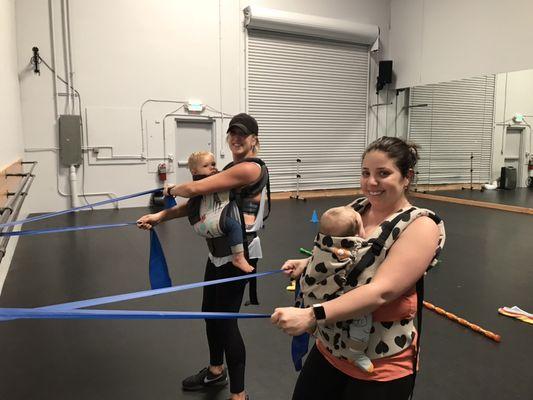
(125,52)
(11,147)
(436,41)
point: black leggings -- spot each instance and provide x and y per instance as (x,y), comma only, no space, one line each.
(223,335)
(321,380)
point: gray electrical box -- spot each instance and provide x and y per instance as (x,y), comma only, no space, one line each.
(70,139)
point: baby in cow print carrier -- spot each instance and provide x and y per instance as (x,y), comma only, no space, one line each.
(337,248)
(342,263)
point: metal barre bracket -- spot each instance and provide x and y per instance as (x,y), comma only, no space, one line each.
(2,209)
(20,174)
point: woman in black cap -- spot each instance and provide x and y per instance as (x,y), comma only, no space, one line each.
(247,177)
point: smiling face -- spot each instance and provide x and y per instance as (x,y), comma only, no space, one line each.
(382,182)
(241,145)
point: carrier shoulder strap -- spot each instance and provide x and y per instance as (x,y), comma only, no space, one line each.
(388,228)
(419,305)
(377,246)
(257,187)
(194,203)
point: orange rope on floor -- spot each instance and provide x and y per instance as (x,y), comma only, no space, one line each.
(464,322)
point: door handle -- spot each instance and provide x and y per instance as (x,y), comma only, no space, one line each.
(183,163)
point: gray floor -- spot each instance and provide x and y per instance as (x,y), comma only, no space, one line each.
(487,263)
(522,197)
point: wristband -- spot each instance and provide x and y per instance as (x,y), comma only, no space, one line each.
(320,314)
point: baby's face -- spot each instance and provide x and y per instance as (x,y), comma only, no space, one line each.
(206,166)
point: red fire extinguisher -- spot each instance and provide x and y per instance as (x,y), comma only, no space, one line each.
(162,172)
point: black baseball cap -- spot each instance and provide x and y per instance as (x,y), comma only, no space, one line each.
(246,123)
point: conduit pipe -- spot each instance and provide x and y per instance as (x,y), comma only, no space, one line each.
(66,47)
(73,179)
(54,60)
(141,114)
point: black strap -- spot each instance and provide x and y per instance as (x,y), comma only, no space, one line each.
(377,246)
(256,187)
(419,306)
(358,205)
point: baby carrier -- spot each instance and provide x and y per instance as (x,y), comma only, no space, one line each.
(207,213)
(337,276)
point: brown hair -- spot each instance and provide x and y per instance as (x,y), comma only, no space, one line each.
(404,154)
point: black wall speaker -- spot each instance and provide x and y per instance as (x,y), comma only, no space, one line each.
(385,74)
(385,71)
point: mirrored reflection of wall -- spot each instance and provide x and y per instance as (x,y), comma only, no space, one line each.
(487,118)
(513,120)
(452,122)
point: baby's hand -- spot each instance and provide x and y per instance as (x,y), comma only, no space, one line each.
(342,254)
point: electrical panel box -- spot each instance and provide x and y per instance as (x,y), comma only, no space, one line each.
(70,140)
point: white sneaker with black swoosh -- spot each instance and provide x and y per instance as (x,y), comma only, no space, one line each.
(203,379)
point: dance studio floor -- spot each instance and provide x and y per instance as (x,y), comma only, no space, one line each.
(521,197)
(487,263)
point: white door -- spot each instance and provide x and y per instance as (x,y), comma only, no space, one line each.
(514,153)
(191,135)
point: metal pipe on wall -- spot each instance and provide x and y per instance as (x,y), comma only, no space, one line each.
(66,47)
(73,91)
(54,60)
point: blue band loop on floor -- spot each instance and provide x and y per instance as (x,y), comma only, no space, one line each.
(100,203)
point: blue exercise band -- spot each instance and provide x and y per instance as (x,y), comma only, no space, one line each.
(100,203)
(29,232)
(11,313)
(32,313)
(158,272)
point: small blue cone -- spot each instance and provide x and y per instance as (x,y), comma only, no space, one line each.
(314,217)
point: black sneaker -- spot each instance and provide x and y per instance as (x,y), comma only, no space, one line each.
(203,379)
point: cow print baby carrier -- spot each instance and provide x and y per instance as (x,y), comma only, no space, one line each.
(329,277)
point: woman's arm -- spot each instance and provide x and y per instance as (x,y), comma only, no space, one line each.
(404,265)
(235,177)
(150,220)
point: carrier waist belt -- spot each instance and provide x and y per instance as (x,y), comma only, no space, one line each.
(219,246)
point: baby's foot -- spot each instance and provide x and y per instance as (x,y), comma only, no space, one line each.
(240,262)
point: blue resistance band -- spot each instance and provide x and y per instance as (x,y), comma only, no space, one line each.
(65,308)
(32,313)
(169,203)
(29,232)
(100,203)
(158,269)
(158,273)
